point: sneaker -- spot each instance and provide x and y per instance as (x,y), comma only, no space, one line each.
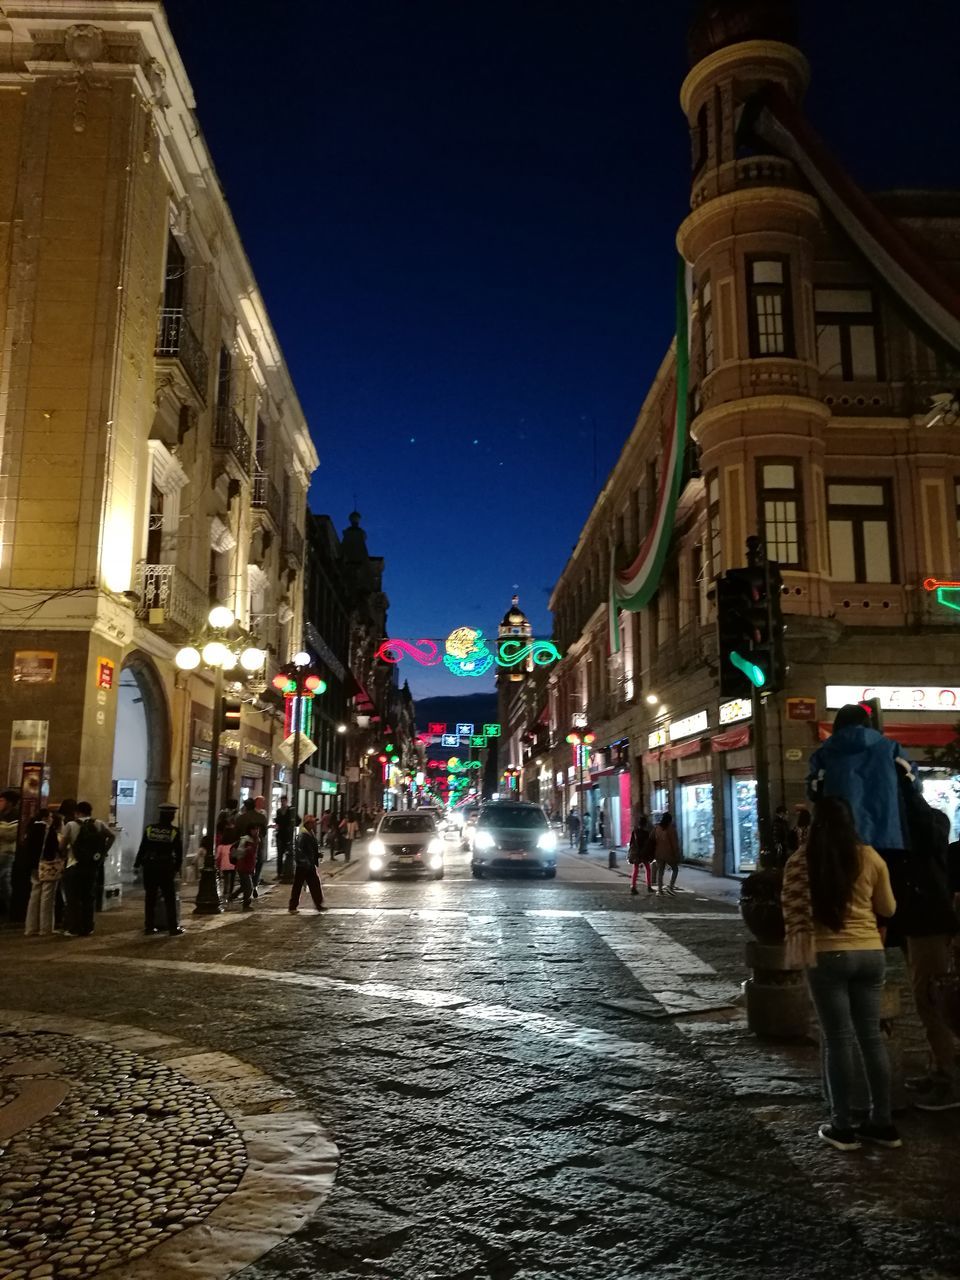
(884,1135)
(944,1096)
(923,1084)
(841,1139)
(651,889)
(149,931)
(672,891)
(293,911)
(175,933)
(634,889)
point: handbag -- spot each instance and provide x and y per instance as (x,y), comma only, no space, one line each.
(49,869)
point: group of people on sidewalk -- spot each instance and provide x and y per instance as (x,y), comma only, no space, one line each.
(654,848)
(876,870)
(62,855)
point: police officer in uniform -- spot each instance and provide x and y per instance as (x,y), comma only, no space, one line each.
(161,857)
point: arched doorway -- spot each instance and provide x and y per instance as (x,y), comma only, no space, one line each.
(141,751)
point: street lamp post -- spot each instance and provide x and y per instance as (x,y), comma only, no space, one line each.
(297,681)
(217,655)
(580,740)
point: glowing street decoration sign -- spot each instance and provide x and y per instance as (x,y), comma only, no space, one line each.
(948,592)
(450,740)
(467,653)
(436,729)
(464,730)
(422,651)
(510,653)
(477,740)
(491,730)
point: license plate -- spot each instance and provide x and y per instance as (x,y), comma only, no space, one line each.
(516,855)
(406,858)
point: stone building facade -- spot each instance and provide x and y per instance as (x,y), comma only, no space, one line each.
(810,398)
(154,459)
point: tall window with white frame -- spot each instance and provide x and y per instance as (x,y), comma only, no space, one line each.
(848,346)
(779,501)
(706,325)
(860,521)
(769,307)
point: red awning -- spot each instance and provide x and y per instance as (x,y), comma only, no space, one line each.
(693,748)
(908,735)
(731,740)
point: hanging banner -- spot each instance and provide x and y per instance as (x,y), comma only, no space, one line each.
(634,587)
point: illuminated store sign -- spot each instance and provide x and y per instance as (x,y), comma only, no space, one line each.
(737,709)
(689,725)
(896,697)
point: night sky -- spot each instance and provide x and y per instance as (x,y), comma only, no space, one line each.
(462,218)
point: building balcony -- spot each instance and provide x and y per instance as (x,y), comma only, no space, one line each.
(177,341)
(230,435)
(268,498)
(169,601)
(266,628)
(292,545)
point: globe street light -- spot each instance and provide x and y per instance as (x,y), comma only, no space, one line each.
(219,657)
(580,741)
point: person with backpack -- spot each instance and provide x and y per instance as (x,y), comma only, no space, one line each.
(925,925)
(160,856)
(640,853)
(307,859)
(833,892)
(86,843)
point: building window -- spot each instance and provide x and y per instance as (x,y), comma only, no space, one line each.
(847,331)
(770,313)
(175,277)
(706,326)
(699,139)
(860,522)
(779,502)
(224,377)
(713,522)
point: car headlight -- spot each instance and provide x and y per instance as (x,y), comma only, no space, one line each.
(483,840)
(376,848)
(547,842)
(436,862)
(435,846)
(376,864)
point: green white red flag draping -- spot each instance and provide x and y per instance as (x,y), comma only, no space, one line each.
(634,587)
(902,265)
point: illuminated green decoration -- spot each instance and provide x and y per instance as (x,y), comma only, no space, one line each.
(491,730)
(478,740)
(510,653)
(948,591)
(467,653)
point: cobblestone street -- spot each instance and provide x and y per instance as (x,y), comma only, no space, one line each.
(428,1081)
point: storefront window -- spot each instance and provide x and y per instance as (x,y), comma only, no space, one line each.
(659,800)
(696,809)
(746,837)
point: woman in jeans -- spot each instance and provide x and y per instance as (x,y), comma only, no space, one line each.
(833,891)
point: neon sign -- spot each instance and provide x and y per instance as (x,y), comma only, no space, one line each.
(510,653)
(467,653)
(491,730)
(948,592)
(423,652)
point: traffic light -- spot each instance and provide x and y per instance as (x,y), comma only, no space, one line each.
(750,630)
(231,713)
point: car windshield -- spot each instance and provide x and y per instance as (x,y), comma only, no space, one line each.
(510,817)
(407,824)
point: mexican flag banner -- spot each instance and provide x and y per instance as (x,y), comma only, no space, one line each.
(634,587)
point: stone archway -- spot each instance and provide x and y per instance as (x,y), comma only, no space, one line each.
(156,709)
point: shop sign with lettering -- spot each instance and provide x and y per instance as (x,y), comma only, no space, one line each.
(688,726)
(897,697)
(736,709)
(801,708)
(657,739)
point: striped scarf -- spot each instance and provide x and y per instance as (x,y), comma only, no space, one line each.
(801,950)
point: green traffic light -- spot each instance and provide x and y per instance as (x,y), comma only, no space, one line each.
(750,669)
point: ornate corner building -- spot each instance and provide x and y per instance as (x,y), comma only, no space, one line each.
(154,459)
(824,356)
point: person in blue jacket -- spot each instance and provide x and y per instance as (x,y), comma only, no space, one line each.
(858,763)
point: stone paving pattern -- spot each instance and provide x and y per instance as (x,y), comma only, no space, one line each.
(493,1117)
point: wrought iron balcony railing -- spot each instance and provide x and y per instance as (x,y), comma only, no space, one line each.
(169,600)
(176,340)
(267,497)
(229,433)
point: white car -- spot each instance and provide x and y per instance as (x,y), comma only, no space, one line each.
(406,844)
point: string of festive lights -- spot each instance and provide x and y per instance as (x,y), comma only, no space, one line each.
(467,653)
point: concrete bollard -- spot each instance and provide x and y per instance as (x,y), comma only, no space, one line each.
(778,1007)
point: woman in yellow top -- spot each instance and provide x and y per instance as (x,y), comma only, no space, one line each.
(833,892)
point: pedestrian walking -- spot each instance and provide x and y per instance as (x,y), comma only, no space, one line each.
(86,842)
(160,857)
(666,852)
(801,830)
(252,825)
(46,869)
(307,859)
(573,828)
(66,811)
(245,859)
(9,831)
(350,829)
(833,892)
(926,924)
(641,852)
(284,826)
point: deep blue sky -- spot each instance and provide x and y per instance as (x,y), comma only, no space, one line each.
(462,216)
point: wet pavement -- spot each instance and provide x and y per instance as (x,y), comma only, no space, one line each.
(497,1078)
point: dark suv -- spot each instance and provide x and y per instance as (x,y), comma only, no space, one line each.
(511,835)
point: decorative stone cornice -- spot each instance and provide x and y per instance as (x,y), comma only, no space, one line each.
(794,64)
